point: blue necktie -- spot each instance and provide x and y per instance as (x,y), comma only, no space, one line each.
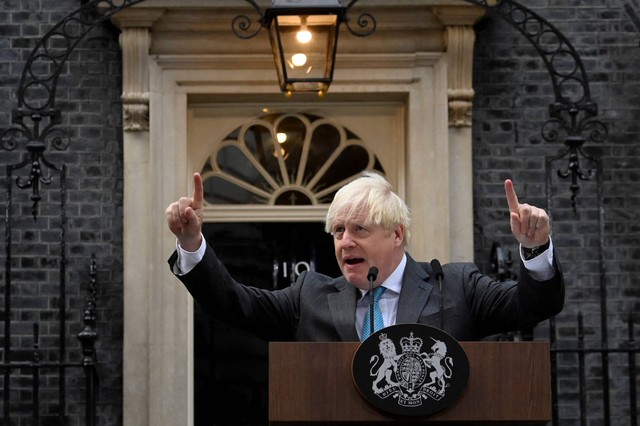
(378,322)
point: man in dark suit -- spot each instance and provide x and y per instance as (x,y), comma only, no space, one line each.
(370,228)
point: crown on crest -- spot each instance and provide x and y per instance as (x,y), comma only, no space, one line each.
(411,344)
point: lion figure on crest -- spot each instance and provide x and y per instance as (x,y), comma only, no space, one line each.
(387,367)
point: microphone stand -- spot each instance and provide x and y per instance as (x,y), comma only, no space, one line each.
(439,274)
(371,276)
(441,302)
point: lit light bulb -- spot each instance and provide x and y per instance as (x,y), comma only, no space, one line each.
(282,137)
(304,35)
(299,59)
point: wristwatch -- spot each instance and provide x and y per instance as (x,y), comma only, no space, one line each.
(530,253)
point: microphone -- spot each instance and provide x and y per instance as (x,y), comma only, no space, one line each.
(371,276)
(439,275)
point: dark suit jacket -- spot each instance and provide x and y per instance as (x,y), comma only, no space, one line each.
(320,308)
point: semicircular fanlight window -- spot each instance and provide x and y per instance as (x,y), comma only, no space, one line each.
(285,159)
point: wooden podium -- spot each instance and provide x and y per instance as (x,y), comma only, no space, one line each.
(312,383)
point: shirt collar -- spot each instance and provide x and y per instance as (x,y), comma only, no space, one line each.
(393,281)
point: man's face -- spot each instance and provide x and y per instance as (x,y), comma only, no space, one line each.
(360,245)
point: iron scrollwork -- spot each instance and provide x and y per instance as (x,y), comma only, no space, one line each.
(243,27)
(36,118)
(366,23)
(573,112)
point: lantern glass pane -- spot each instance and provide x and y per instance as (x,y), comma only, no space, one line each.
(304,66)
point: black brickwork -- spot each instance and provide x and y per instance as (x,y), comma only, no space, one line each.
(89,98)
(513,94)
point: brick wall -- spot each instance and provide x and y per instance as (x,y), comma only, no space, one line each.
(513,93)
(88,94)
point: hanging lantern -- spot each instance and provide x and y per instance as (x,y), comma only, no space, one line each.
(304,39)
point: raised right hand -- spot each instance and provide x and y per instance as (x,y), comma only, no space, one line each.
(184,217)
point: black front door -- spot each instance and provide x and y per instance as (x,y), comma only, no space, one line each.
(233,364)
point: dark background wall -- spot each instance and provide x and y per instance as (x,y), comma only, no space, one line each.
(89,97)
(513,94)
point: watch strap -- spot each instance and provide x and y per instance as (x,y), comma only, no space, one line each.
(532,252)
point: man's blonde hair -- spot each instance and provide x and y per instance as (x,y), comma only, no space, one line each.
(370,193)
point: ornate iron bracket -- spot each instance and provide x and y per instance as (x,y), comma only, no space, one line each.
(243,27)
(36,117)
(573,113)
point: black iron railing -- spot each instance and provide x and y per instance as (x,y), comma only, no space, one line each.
(576,353)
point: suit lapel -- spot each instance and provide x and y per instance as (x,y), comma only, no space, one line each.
(415,293)
(342,306)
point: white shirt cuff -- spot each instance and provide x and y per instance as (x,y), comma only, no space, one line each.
(540,267)
(187,260)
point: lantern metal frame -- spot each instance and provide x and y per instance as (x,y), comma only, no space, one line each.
(292,78)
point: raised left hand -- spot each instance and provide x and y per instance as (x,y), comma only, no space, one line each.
(529,224)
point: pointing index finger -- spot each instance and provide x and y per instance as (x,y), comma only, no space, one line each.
(512,198)
(198,191)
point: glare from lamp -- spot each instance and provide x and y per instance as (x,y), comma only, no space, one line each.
(299,59)
(282,137)
(283,153)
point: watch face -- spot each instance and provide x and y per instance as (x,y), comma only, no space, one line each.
(410,369)
(530,253)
